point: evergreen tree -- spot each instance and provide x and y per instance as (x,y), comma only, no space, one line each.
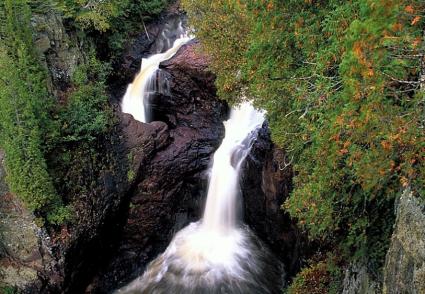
(24,107)
(339,81)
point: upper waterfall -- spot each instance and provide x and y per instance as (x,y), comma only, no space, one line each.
(135,98)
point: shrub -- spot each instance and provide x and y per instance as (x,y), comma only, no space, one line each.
(318,278)
(87,112)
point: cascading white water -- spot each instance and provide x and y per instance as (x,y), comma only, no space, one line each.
(220,211)
(134,101)
(217,254)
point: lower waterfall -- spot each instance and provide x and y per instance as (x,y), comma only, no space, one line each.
(218,254)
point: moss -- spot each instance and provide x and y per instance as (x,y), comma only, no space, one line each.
(131,175)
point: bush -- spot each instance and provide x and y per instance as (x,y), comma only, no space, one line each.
(319,278)
(8,290)
(87,113)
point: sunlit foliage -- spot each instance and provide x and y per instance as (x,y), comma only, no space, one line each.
(340,83)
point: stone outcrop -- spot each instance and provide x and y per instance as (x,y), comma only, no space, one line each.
(61,52)
(358,280)
(26,261)
(266,183)
(404,270)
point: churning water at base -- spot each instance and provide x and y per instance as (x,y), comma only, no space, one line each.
(217,254)
(145,84)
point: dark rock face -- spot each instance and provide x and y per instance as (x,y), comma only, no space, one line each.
(265,184)
(168,164)
(59,49)
(99,205)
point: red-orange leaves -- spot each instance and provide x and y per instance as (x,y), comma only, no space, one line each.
(415,20)
(386,145)
(409,9)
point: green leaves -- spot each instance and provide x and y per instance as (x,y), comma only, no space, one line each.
(87,112)
(339,81)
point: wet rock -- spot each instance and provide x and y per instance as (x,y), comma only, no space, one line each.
(404,270)
(266,183)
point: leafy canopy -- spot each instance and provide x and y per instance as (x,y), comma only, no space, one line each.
(340,83)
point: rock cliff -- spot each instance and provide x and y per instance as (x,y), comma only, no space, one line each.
(404,270)
(26,260)
(266,183)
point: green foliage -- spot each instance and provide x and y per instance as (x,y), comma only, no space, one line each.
(8,290)
(105,15)
(110,23)
(24,107)
(339,81)
(87,113)
(131,174)
(225,23)
(60,214)
(32,126)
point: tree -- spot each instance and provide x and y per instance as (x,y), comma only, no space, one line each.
(24,107)
(339,81)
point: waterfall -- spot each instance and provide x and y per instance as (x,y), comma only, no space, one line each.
(220,211)
(217,254)
(144,84)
